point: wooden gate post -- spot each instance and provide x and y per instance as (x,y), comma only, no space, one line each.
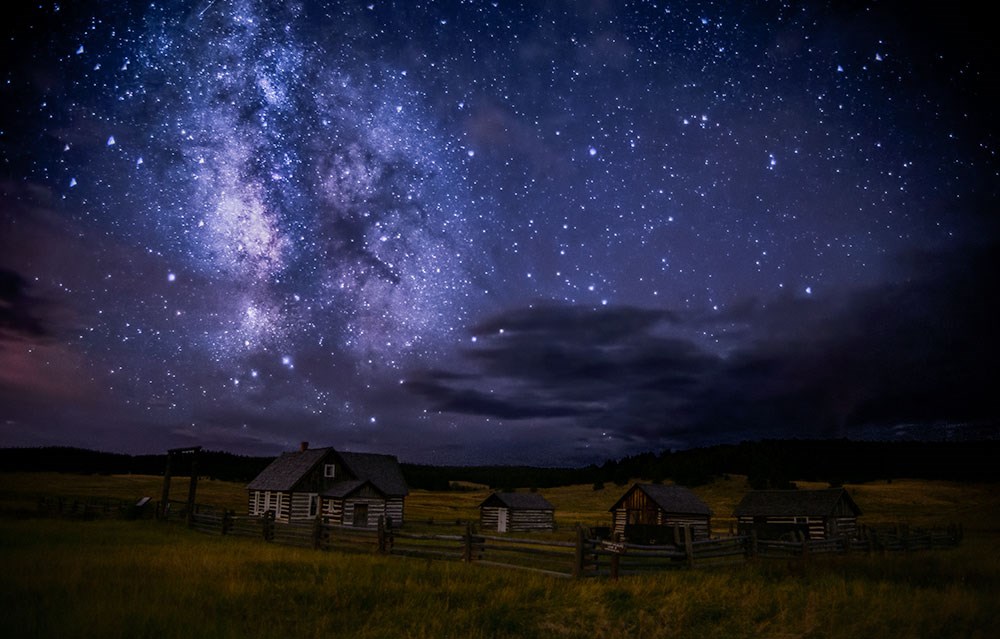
(688,548)
(467,543)
(578,554)
(317,531)
(267,525)
(165,494)
(193,486)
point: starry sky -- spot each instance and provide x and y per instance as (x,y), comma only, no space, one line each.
(495,232)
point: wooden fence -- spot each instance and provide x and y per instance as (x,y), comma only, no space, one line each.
(96,508)
(585,556)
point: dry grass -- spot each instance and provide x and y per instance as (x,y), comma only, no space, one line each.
(145,579)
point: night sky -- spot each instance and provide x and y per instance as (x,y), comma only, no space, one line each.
(495,232)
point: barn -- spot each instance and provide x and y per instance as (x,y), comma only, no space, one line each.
(657,513)
(516,512)
(812,514)
(349,489)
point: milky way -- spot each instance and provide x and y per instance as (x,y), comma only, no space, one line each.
(487,232)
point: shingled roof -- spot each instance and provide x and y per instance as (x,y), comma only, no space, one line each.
(342,489)
(792,503)
(381,470)
(285,472)
(671,499)
(518,501)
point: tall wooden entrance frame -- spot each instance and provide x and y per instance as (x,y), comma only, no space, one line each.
(192,487)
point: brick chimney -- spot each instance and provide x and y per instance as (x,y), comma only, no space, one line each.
(304,446)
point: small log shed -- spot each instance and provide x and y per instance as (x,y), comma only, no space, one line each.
(654,511)
(516,512)
(811,514)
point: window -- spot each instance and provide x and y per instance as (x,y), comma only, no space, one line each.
(329,470)
(313,505)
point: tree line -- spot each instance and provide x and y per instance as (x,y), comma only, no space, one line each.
(766,463)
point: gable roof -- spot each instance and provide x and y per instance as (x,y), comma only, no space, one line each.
(670,499)
(518,501)
(287,470)
(790,503)
(342,489)
(381,470)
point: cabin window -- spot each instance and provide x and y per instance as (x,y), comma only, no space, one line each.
(801,520)
(313,505)
(329,470)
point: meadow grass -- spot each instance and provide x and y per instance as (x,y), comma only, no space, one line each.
(147,579)
(65,578)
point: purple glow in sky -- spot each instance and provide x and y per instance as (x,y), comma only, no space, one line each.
(492,233)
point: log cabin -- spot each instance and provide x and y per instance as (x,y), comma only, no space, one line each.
(516,512)
(348,489)
(656,513)
(809,514)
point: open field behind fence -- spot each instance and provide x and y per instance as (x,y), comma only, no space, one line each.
(96,574)
(585,556)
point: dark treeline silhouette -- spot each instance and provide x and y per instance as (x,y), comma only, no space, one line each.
(767,464)
(214,464)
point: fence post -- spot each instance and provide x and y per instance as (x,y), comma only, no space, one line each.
(688,548)
(318,532)
(267,525)
(227,520)
(752,543)
(578,554)
(381,534)
(467,543)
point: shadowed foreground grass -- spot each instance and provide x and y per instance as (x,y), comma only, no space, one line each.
(144,579)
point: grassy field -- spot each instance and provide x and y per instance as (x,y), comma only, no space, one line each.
(144,579)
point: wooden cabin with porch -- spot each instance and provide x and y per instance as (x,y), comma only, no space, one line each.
(348,489)
(654,513)
(516,512)
(798,514)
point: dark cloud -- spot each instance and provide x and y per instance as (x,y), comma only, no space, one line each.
(917,351)
(20,312)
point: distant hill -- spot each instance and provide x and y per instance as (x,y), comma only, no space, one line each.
(215,464)
(767,463)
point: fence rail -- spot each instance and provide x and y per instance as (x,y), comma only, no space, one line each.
(583,557)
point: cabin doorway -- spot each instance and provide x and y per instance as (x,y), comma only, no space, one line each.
(361,515)
(502,515)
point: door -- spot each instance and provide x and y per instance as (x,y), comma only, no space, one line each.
(361,515)
(502,520)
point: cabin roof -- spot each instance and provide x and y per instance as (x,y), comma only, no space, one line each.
(518,501)
(382,471)
(345,488)
(790,503)
(287,470)
(670,499)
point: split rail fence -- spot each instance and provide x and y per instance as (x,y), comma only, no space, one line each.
(583,557)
